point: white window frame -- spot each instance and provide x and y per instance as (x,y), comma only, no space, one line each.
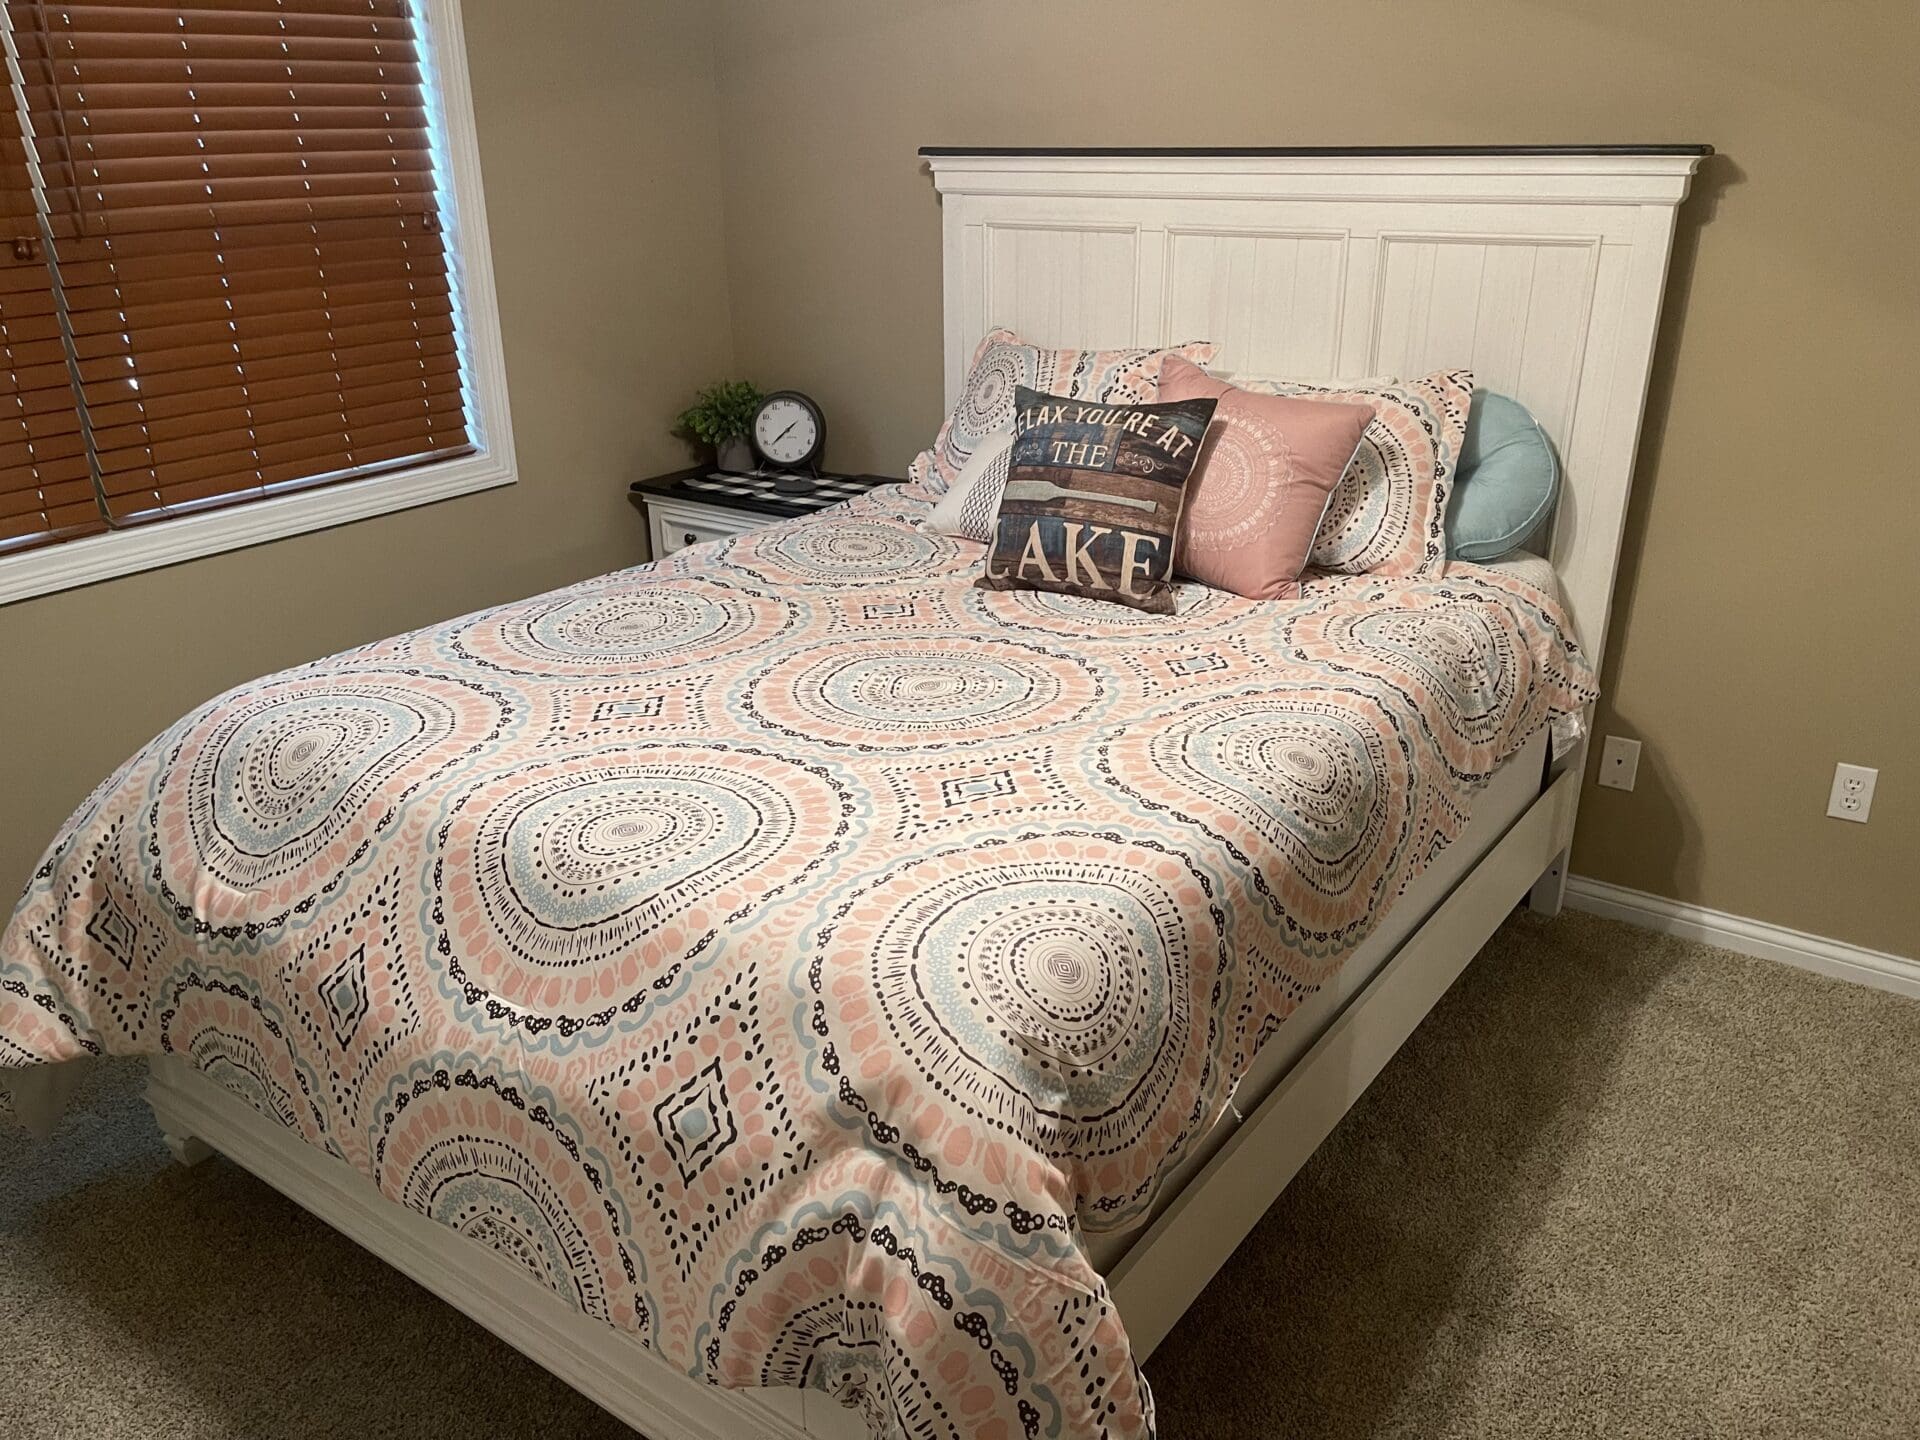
(456,153)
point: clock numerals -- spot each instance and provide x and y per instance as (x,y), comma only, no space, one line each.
(786,431)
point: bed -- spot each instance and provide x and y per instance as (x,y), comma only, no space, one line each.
(601,928)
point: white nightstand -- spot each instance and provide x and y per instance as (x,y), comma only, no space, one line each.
(691,506)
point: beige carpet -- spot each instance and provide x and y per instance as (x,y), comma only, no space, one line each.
(1615,1186)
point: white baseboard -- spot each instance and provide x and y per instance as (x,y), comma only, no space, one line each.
(1750,937)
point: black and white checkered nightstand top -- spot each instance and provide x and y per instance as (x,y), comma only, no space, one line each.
(755,492)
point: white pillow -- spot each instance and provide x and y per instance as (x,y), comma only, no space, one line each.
(972,502)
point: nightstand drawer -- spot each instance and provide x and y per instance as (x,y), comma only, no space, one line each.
(675,527)
(672,535)
(690,507)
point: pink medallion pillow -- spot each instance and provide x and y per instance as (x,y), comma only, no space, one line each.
(1003,361)
(1388,513)
(1266,470)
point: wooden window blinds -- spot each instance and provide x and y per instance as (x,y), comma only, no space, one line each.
(225,274)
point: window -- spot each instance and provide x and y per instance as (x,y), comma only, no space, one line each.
(243,292)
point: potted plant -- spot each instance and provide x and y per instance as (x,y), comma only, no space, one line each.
(722,416)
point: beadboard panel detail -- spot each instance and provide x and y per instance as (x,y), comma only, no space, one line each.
(1073,280)
(1499,304)
(1272,301)
(1546,282)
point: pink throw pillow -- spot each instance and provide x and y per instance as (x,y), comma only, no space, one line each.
(1267,467)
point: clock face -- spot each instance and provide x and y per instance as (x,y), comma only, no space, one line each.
(787,430)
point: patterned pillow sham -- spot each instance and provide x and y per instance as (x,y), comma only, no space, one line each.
(1093,497)
(1268,467)
(1388,514)
(1003,361)
(973,500)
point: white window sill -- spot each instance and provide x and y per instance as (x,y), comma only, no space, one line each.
(167,542)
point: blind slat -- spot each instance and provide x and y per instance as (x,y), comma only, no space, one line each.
(127,436)
(178,72)
(316,319)
(197,196)
(47,525)
(184,403)
(322,452)
(162,253)
(112,386)
(257,23)
(96,97)
(110,173)
(49,494)
(246,120)
(55,149)
(321,350)
(110,48)
(193,305)
(325,415)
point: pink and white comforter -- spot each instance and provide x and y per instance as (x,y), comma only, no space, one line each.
(787,951)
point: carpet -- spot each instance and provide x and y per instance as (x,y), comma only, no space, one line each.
(1616,1185)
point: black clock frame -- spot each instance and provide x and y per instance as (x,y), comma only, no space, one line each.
(811,460)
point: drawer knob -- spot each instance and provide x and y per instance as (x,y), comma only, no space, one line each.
(689,538)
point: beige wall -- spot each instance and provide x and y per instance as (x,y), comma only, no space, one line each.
(1750,652)
(1767,622)
(599,147)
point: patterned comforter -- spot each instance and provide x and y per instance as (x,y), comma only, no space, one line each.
(786,952)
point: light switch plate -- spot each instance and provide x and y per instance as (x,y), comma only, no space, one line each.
(1619,763)
(1852,795)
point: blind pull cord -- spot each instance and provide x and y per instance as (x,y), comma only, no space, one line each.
(59,112)
(16,78)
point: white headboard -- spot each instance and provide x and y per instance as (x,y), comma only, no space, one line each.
(1542,269)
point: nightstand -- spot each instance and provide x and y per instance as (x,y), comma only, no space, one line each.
(689,506)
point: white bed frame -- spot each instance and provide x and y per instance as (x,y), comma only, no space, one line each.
(1543,270)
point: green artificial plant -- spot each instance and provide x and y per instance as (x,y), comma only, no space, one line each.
(721,412)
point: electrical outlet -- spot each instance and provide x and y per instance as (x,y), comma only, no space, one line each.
(1852,795)
(1619,763)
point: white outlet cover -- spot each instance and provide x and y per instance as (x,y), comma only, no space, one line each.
(1619,763)
(1852,795)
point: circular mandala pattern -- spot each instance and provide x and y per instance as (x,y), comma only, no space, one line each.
(562,888)
(1198,609)
(1306,786)
(986,404)
(276,792)
(1461,661)
(239,1040)
(847,553)
(900,695)
(667,626)
(474,1151)
(966,1361)
(1370,522)
(1250,466)
(1045,985)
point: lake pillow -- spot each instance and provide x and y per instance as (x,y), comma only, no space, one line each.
(1388,513)
(1093,498)
(1003,362)
(1506,485)
(1266,470)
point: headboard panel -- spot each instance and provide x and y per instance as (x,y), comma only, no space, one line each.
(1541,270)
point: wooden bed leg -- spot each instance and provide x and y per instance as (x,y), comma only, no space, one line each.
(188,1150)
(1549,892)
(177,1131)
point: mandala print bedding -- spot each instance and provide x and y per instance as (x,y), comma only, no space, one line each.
(786,952)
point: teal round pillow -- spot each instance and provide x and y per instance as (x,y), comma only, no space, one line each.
(1505,486)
